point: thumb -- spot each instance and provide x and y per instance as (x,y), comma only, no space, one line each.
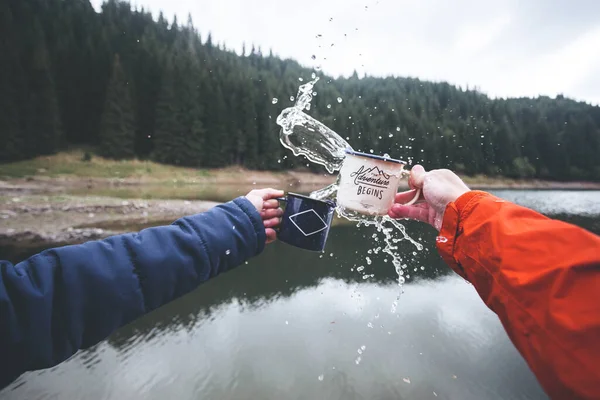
(417,177)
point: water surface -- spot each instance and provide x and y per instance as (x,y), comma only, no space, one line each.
(290,324)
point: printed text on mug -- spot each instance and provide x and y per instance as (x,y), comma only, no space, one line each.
(371,181)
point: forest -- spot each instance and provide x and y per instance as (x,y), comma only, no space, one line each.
(128,85)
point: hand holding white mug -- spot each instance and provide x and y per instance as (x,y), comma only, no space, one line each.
(438,188)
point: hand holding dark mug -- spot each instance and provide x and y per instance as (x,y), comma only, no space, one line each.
(266,203)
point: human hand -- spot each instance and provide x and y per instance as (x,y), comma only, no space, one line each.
(265,202)
(438,188)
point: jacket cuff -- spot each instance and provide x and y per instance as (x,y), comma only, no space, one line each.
(454,216)
(259,228)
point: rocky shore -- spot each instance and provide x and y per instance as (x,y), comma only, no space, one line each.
(44,219)
(46,211)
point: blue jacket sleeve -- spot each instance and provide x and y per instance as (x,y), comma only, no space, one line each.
(69,298)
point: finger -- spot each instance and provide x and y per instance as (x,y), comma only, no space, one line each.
(272,222)
(271,235)
(269,193)
(417,177)
(273,203)
(405,197)
(411,212)
(271,213)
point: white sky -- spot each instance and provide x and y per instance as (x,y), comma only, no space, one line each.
(507,48)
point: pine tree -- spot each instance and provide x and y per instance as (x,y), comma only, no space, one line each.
(167,123)
(215,149)
(11,89)
(117,128)
(44,131)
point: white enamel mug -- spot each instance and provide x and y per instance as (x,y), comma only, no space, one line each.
(369,183)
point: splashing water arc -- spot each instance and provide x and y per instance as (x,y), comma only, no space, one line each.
(306,136)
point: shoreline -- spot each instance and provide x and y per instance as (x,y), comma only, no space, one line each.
(48,211)
(243,177)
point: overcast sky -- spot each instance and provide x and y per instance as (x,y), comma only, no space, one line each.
(505,48)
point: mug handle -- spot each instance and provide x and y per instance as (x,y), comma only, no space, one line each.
(414,200)
(284,199)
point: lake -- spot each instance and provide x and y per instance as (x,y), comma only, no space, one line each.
(293,324)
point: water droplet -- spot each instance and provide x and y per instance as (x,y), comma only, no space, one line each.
(360,268)
(287,323)
(406,380)
(275,100)
(228,252)
(369,261)
(321,377)
(292,98)
(397,129)
(314,57)
(370,325)
(391,135)
(300,79)
(339,99)
(328,105)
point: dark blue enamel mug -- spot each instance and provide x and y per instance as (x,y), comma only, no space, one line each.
(306,222)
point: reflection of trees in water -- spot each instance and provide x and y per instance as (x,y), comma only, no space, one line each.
(283,270)
(280,272)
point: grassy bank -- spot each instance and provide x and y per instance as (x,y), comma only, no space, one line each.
(73,168)
(74,164)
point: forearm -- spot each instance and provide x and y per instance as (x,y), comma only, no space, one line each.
(541,277)
(72,297)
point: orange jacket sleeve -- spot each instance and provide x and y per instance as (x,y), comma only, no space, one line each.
(541,277)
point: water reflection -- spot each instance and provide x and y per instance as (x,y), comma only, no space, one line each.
(269,329)
(556,202)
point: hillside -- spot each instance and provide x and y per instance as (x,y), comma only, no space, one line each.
(135,87)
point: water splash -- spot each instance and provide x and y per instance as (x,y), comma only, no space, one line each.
(306,136)
(327,193)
